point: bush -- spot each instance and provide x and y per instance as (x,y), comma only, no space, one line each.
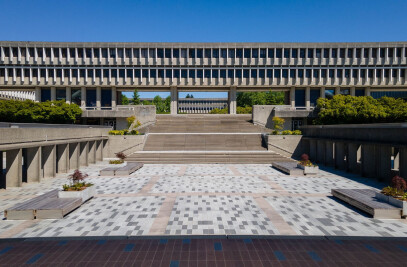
(399,183)
(296,132)
(287,132)
(305,161)
(130,120)
(275,132)
(116,161)
(124,132)
(121,155)
(244,110)
(39,112)
(219,111)
(278,123)
(77,182)
(304,157)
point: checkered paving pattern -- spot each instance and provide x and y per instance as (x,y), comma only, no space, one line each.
(205,199)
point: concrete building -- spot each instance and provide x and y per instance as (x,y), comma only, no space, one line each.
(93,75)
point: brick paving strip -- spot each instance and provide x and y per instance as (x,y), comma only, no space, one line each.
(150,184)
(235,171)
(161,221)
(182,194)
(275,186)
(182,170)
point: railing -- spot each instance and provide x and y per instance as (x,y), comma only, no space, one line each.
(109,108)
(18,95)
(290,108)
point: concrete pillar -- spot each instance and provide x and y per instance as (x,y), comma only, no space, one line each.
(232,100)
(352,91)
(329,153)
(174,100)
(352,158)
(92,152)
(307,97)
(99,150)
(68,96)
(337,90)
(34,164)
(367,91)
(383,158)
(83,154)
(73,156)
(48,159)
(403,162)
(313,149)
(396,159)
(14,168)
(53,93)
(292,97)
(98,97)
(340,153)
(62,158)
(83,96)
(321,151)
(368,161)
(114,96)
(322,92)
(37,94)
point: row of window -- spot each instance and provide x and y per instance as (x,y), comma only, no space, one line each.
(206,73)
(206,52)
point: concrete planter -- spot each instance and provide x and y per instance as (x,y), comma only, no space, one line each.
(86,194)
(393,201)
(309,170)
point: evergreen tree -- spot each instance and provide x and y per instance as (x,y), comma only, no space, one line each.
(136,98)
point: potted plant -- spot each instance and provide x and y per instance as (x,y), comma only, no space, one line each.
(307,165)
(121,157)
(77,187)
(395,194)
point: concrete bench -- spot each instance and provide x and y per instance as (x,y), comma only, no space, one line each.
(364,199)
(129,168)
(45,206)
(289,167)
(108,171)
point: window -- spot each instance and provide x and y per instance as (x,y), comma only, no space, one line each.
(302,53)
(294,53)
(88,52)
(76,96)
(60,94)
(184,73)
(391,52)
(15,51)
(95,53)
(137,73)
(386,73)
(45,94)
(323,73)
(362,73)
(359,92)
(246,73)
(32,53)
(262,53)
(310,53)
(255,53)
(339,73)
(239,53)
(175,52)
(342,52)
(114,73)
(191,73)
(286,53)
(104,53)
(279,53)
(63,51)
(318,52)
(128,52)
(394,73)
(370,73)
(50,73)
(271,53)
(292,73)
(207,73)
(253,73)
(105,73)
(314,95)
(199,53)
(106,98)
(112,52)
(47,52)
(167,53)
(365,52)
(331,73)
(354,73)
(215,53)
(199,73)
(300,98)
(334,53)
(269,73)
(326,52)
(277,73)
(136,53)
(358,52)
(307,73)
(160,73)
(238,73)
(247,53)
(347,73)
(224,53)
(230,73)
(215,74)
(374,52)
(378,73)
(90,73)
(284,73)
(151,53)
(6,51)
(144,52)
(300,73)
(398,52)
(344,91)
(223,73)
(90,97)
(144,73)
(160,53)
(184,53)
(231,53)
(316,73)
(350,53)
(261,73)
(329,93)
(382,52)
(207,53)
(59,73)
(75,73)
(176,73)
(98,73)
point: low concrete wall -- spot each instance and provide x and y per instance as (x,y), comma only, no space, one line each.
(286,145)
(263,115)
(127,144)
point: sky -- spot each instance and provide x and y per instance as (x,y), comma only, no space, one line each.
(204,21)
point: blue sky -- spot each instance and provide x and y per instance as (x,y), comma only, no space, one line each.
(204,21)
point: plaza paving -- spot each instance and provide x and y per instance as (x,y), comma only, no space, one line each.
(212,199)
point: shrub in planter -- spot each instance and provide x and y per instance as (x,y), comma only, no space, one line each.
(77,188)
(121,155)
(396,189)
(307,165)
(297,132)
(287,132)
(116,161)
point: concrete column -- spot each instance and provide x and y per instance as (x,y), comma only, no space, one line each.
(337,90)
(84,154)
(329,153)
(313,149)
(14,168)
(292,97)
(99,150)
(367,91)
(73,156)
(403,162)
(368,161)
(92,152)
(68,95)
(83,96)
(322,92)
(114,95)
(321,151)
(340,152)
(53,93)
(383,158)
(34,164)
(37,94)
(232,100)
(307,97)
(352,158)
(352,91)
(62,158)
(174,100)
(98,97)
(48,159)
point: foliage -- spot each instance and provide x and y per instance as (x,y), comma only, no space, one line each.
(278,123)
(244,110)
(136,98)
(219,111)
(124,132)
(189,96)
(116,161)
(305,161)
(39,112)
(296,132)
(399,183)
(345,109)
(395,193)
(162,105)
(304,157)
(275,132)
(76,182)
(130,120)
(121,155)
(248,99)
(125,100)
(146,102)
(287,132)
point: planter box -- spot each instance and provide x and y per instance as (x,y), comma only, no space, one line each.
(309,170)
(393,201)
(86,194)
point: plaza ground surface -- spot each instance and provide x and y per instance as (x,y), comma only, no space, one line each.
(212,199)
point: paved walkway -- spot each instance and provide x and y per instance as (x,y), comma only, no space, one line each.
(213,199)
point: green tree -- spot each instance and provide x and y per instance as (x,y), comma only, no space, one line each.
(188,96)
(136,97)
(125,100)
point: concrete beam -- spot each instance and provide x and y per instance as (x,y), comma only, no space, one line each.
(62,158)
(34,164)
(14,168)
(48,158)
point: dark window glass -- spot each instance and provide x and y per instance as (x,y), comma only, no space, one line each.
(334,53)
(90,73)
(96,52)
(354,73)
(339,73)
(279,53)
(137,73)
(207,73)
(245,73)
(32,53)
(72,52)
(144,73)
(347,73)
(310,53)
(184,73)
(294,53)
(191,53)
(231,53)
(292,73)
(168,73)
(378,73)
(359,92)
(230,73)
(167,53)
(42,73)
(316,73)
(365,52)
(382,52)
(7,51)
(223,53)
(175,52)
(277,73)
(362,73)
(350,53)
(63,51)
(300,73)
(50,73)
(222,74)
(262,53)
(91,97)
(253,73)
(318,53)
(398,52)
(215,73)
(329,93)
(160,73)
(104,52)
(269,73)
(302,53)
(314,95)
(112,52)
(238,73)
(76,96)
(129,73)
(60,94)
(106,98)
(199,53)
(105,73)
(75,73)
(47,52)
(151,53)
(98,73)
(247,53)
(286,53)
(45,94)
(144,53)
(239,53)
(59,73)
(80,52)
(18,72)
(255,53)
(176,73)
(323,73)
(199,73)
(326,52)
(128,52)
(391,52)
(342,52)
(191,73)
(285,73)
(113,73)
(261,73)
(394,73)
(26,72)
(395,94)
(370,73)
(160,53)
(307,73)
(136,53)
(184,53)
(358,53)
(403,73)
(271,53)
(374,52)
(207,53)
(300,98)
(215,53)
(386,73)
(89,52)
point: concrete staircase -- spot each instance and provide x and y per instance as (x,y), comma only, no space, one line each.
(197,138)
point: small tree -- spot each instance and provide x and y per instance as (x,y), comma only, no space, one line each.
(278,123)
(136,97)
(125,100)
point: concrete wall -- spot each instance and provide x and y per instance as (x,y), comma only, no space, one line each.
(286,145)
(263,115)
(124,143)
